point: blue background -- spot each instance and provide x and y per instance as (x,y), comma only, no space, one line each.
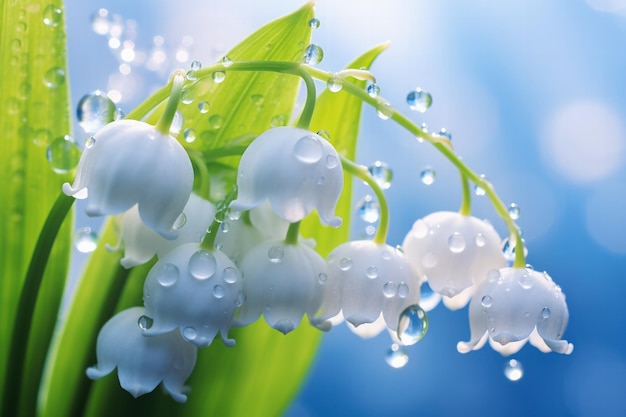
(533,92)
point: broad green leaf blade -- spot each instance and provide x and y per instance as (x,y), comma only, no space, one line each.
(340,115)
(34,111)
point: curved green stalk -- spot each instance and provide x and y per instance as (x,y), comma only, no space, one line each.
(309,106)
(443,145)
(204,190)
(362,173)
(28,298)
(165,121)
(292,233)
(466,203)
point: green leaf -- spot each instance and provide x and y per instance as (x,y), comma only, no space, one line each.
(339,114)
(35,111)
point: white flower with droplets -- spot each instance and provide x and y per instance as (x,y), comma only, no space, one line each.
(296,170)
(142,243)
(454,252)
(370,285)
(194,290)
(143,362)
(516,305)
(130,162)
(281,282)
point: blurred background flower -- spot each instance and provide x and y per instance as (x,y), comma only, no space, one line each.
(532,93)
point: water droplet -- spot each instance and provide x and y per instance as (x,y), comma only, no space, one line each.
(190,135)
(313,54)
(513,370)
(225,227)
(234,214)
(85,240)
(371,272)
(54,77)
(480,240)
(403,290)
(384,110)
(41,137)
(216,121)
(257,99)
(52,15)
(428,175)
(226,61)
(331,162)
(486,301)
(545,313)
(218,76)
(63,154)
(308,149)
(373,90)
(508,248)
(167,274)
(202,264)
(526,281)
(196,65)
(276,254)
(345,264)
(429,299)
(314,23)
(412,325)
(443,132)
(119,114)
(180,221)
(369,209)
(370,230)
(186,96)
(382,174)
(322,278)
(456,243)
(324,134)
(334,84)
(144,322)
(192,75)
(89,142)
(190,333)
(478,190)
(514,211)
(419,100)
(218,291)
(396,356)
(230,275)
(95,110)
(203,107)
(390,289)
(277,121)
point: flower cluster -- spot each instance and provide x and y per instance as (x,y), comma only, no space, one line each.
(211,276)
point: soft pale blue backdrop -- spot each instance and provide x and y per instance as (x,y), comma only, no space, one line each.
(533,92)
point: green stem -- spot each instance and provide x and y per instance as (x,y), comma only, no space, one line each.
(204,189)
(165,121)
(362,173)
(443,146)
(26,306)
(466,204)
(292,234)
(309,106)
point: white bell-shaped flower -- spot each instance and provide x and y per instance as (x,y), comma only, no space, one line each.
(365,280)
(141,243)
(453,252)
(130,162)
(282,282)
(237,236)
(515,305)
(143,362)
(194,290)
(296,170)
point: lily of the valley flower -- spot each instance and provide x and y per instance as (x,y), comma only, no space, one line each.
(142,243)
(296,170)
(130,162)
(282,282)
(515,305)
(453,252)
(194,290)
(366,281)
(143,362)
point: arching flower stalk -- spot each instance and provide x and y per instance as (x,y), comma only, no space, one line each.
(130,162)
(143,362)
